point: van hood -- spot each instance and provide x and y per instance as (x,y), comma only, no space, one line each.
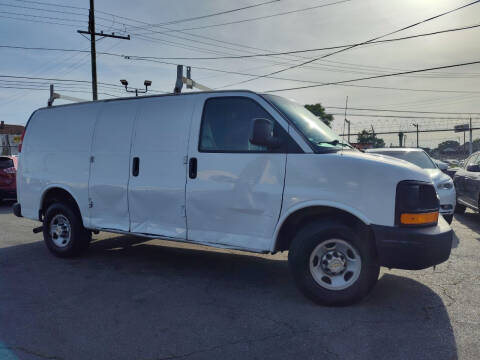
(397,167)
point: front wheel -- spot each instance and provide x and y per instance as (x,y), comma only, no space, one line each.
(63,231)
(331,264)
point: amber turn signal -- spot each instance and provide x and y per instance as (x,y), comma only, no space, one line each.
(419,219)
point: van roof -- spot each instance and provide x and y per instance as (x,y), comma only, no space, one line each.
(149,96)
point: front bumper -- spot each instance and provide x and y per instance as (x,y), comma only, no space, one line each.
(413,248)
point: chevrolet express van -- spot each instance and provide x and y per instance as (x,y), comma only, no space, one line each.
(235,170)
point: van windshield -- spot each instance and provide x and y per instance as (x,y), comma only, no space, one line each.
(315,130)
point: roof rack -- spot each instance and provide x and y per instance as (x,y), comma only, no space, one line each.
(187,81)
(54,95)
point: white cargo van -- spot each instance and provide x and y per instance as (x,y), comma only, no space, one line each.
(235,170)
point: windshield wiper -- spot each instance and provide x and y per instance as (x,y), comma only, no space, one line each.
(334,143)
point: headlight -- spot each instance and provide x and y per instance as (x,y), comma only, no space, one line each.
(416,204)
(447,185)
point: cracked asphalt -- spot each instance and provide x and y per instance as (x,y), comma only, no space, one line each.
(128,298)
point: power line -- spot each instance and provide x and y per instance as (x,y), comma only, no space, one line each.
(396,116)
(44,10)
(404,111)
(37,21)
(279,78)
(47,89)
(320,83)
(234,44)
(42,17)
(66,80)
(51,4)
(256,18)
(363,43)
(210,15)
(323,48)
(378,76)
(113,15)
(410,89)
(53,79)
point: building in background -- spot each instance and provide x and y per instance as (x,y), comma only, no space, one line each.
(10,138)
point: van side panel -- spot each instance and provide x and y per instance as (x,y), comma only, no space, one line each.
(157,194)
(56,153)
(110,168)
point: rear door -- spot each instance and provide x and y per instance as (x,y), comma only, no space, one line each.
(158,166)
(234,188)
(110,165)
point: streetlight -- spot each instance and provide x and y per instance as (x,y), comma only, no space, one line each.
(416,125)
(147,83)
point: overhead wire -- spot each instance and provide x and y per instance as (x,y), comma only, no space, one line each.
(212,14)
(360,44)
(401,111)
(377,76)
(322,48)
(257,18)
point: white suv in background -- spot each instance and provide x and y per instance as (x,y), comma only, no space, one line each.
(443,182)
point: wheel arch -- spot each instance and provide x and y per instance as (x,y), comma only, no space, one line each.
(300,215)
(57,193)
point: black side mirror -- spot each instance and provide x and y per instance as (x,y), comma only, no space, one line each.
(473,168)
(262,134)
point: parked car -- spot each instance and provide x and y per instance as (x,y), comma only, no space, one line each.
(467,183)
(440,164)
(231,169)
(443,182)
(8,174)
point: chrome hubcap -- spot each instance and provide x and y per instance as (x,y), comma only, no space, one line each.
(335,264)
(60,230)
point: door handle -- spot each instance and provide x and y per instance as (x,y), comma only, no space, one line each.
(136,166)
(192,168)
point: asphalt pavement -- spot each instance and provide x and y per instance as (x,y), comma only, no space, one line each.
(129,298)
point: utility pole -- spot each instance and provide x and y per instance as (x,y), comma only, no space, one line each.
(470,146)
(347,121)
(416,125)
(93,51)
(348,131)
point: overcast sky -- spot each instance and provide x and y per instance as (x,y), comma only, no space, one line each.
(339,24)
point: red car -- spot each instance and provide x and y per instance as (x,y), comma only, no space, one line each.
(8,177)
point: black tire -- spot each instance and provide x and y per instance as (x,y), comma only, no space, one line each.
(304,243)
(448,218)
(79,236)
(460,209)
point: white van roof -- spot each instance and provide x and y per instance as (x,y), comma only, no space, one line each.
(150,96)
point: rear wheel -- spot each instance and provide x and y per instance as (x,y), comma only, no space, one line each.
(332,264)
(63,231)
